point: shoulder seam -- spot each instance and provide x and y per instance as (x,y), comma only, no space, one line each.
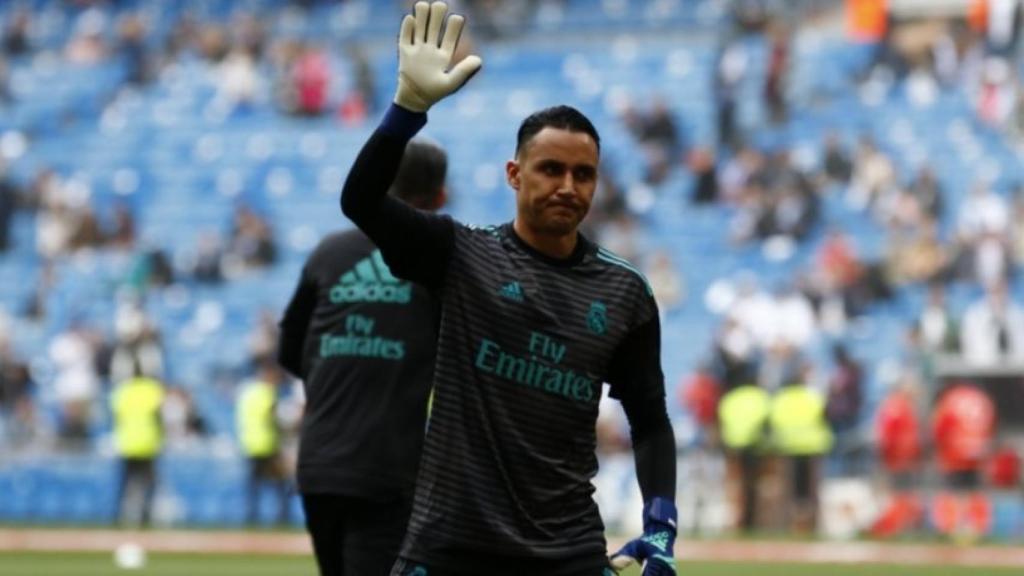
(612,258)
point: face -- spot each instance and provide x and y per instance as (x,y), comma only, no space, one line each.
(554,177)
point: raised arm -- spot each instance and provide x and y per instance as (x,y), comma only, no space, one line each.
(415,245)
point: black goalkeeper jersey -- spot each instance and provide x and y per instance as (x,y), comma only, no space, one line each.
(363,342)
(525,343)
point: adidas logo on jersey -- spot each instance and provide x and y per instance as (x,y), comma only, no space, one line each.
(513,291)
(370,280)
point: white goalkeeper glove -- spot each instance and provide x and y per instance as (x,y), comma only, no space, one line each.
(424,57)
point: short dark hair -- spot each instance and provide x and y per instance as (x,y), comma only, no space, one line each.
(560,117)
(421,176)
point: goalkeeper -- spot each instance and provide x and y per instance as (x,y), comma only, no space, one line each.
(534,318)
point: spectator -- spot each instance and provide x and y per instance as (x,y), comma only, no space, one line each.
(659,137)
(76,383)
(701,162)
(239,82)
(897,431)
(838,168)
(206,263)
(993,329)
(310,81)
(150,269)
(744,169)
(133,50)
(87,47)
(843,408)
(699,396)
(873,175)
(365,90)
(665,281)
(17,408)
(8,204)
(733,354)
(983,227)
(259,434)
(963,425)
(731,67)
(184,424)
(801,434)
(16,39)
(263,338)
(921,257)
(939,329)
(778,71)
(927,191)
(138,351)
(122,234)
(251,245)
(138,437)
(6,98)
(743,414)
(1017,239)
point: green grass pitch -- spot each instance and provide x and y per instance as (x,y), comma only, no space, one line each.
(96,564)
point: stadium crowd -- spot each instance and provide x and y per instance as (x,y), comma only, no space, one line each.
(778,403)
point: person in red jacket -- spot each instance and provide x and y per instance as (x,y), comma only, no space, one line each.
(963,426)
(898,430)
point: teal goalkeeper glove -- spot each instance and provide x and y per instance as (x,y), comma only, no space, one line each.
(654,548)
(424,57)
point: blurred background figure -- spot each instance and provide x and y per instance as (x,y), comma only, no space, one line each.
(259,434)
(801,434)
(963,426)
(743,418)
(898,434)
(136,404)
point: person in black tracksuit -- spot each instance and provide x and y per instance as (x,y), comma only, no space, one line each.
(363,343)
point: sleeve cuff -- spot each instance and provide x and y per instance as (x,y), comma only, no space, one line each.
(660,510)
(402,123)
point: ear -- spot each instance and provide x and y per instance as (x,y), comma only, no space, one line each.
(512,174)
(440,199)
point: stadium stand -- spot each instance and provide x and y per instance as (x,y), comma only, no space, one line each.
(185,155)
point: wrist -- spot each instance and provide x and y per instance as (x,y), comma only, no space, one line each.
(402,122)
(661,512)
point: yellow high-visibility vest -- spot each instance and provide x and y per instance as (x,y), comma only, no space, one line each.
(742,413)
(798,422)
(135,404)
(254,419)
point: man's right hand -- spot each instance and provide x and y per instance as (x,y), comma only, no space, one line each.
(424,57)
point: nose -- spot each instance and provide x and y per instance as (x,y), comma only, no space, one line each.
(567,184)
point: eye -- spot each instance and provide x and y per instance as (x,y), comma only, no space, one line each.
(584,174)
(551,168)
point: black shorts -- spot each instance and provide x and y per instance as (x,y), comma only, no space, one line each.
(354,536)
(405,567)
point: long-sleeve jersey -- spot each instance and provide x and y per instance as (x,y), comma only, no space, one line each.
(525,343)
(363,342)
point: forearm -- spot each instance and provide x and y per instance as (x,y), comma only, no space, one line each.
(654,448)
(415,244)
(364,198)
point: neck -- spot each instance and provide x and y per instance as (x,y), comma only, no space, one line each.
(555,246)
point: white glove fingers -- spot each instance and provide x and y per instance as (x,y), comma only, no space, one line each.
(452,33)
(438,10)
(422,11)
(620,563)
(465,69)
(406,37)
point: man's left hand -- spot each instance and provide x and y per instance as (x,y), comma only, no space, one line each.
(655,548)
